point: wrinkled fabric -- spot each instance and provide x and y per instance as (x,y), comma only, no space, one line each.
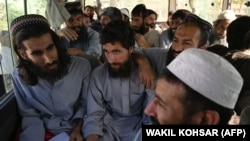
(115,105)
(52,107)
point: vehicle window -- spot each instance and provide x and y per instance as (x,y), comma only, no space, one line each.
(159,6)
(241,7)
(207,9)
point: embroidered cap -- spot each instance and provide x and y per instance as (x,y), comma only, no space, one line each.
(209,74)
(204,25)
(28,21)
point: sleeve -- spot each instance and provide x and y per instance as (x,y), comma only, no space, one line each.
(95,107)
(149,96)
(137,50)
(156,38)
(82,110)
(32,126)
(95,47)
(138,136)
(162,43)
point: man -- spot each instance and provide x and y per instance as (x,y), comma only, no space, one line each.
(145,36)
(238,37)
(109,14)
(116,97)
(90,11)
(78,38)
(86,20)
(125,15)
(166,37)
(193,32)
(202,86)
(150,20)
(223,20)
(48,100)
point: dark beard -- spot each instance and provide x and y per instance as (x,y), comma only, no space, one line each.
(151,25)
(123,72)
(170,56)
(51,76)
(141,30)
(186,120)
(82,35)
(154,121)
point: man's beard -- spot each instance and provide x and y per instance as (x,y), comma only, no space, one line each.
(141,30)
(152,25)
(170,56)
(154,121)
(77,29)
(52,75)
(123,72)
(186,120)
(82,34)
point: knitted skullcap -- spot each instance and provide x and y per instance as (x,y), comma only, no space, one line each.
(25,21)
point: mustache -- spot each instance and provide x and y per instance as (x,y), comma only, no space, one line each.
(151,25)
(114,64)
(51,64)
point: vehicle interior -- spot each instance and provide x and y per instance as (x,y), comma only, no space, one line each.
(53,9)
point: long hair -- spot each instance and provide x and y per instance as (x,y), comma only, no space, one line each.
(25,72)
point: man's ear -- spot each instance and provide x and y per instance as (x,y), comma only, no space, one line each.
(23,54)
(211,117)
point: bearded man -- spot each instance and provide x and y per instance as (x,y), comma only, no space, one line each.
(50,86)
(116,97)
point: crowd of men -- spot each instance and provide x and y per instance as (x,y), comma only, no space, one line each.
(101,79)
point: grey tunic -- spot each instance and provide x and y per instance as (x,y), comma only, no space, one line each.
(53,108)
(157,58)
(115,106)
(91,47)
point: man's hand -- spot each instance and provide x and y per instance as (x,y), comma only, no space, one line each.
(146,72)
(68,33)
(76,134)
(146,75)
(141,41)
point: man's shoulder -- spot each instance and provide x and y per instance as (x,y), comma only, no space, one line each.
(92,32)
(156,51)
(81,61)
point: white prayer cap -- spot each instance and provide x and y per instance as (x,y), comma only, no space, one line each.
(227,15)
(125,11)
(208,74)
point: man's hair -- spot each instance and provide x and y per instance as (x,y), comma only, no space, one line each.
(180,13)
(74,10)
(118,31)
(139,10)
(112,12)
(89,6)
(236,32)
(149,12)
(204,26)
(73,6)
(26,33)
(195,102)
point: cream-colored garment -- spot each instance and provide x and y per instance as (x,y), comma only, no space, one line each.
(56,13)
